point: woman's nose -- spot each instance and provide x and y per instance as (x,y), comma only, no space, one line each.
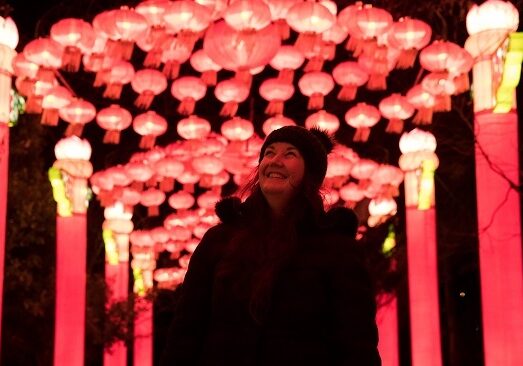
(277,159)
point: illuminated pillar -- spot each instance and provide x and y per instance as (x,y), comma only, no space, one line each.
(387,320)
(419,163)
(499,52)
(68,178)
(8,42)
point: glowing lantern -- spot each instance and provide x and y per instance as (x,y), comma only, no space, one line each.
(338,166)
(181,200)
(231,92)
(378,68)
(168,278)
(77,113)
(237,129)
(276,122)
(396,109)
(350,75)
(77,37)
(279,10)
(409,35)
(240,51)
(188,90)
(247,15)
(207,164)
(351,193)
(316,85)
(188,178)
(193,127)
(217,7)
(153,11)
(120,73)
(286,61)
(119,177)
(362,117)
(323,120)
(458,66)
(22,67)
(203,63)
(152,199)
(36,94)
(276,91)
(216,181)
(47,54)
(174,53)
(369,24)
(149,125)
(168,168)
(380,209)
(389,178)
(492,14)
(139,172)
(424,102)
(310,20)
(435,57)
(330,197)
(56,98)
(187,19)
(208,200)
(114,119)
(148,83)
(363,169)
(442,87)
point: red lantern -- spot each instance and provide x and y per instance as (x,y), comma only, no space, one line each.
(424,102)
(247,15)
(120,73)
(378,68)
(181,200)
(458,66)
(149,125)
(77,113)
(168,168)
(435,57)
(148,83)
(389,177)
(331,38)
(114,119)
(168,278)
(22,67)
(152,199)
(323,120)
(316,85)
(203,63)
(47,54)
(193,127)
(363,169)
(188,90)
(371,22)
(279,10)
(188,178)
(174,53)
(396,108)
(208,200)
(351,193)
(409,35)
(139,172)
(231,92)
(362,117)
(350,75)
(58,97)
(207,164)
(217,7)
(153,11)
(77,37)
(237,129)
(276,92)
(338,166)
(276,122)
(442,87)
(216,181)
(286,61)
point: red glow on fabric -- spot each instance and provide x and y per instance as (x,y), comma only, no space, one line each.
(499,238)
(71,246)
(117,279)
(423,287)
(143,333)
(4,169)
(387,320)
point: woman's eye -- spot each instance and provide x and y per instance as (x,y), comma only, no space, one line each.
(291,153)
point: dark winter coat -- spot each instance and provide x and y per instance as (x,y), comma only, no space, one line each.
(322,310)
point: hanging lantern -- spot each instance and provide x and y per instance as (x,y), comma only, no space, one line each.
(208,200)
(188,90)
(237,129)
(152,198)
(247,15)
(77,113)
(323,120)
(493,14)
(168,168)
(370,23)
(279,10)
(47,54)
(149,125)
(378,68)
(424,102)
(120,73)
(362,170)
(231,92)
(203,63)
(316,85)
(181,200)
(57,97)
(151,43)
(435,57)
(217,7)
(458,66)
(396,109)
(114,119)
(168,278)
(409,35)
(215,182)
(331,38)
(389,178)
(287,60)
(139,172)
(77,37)
(350,75)
(362,117)
(148,83)
(22,67)
(380,209)
(276,122)
(442,87)
(193,127)
(207,164)
(351,194)
(153,11)
(338,166)
(276,92)
(174,53)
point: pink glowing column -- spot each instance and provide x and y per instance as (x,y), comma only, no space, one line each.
(499,238)
(143,332)
(8,42)
(419,163)
(387,319)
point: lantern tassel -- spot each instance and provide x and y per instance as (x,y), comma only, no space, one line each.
(144,100)
(34,104)
(153,211)
(286,75)
(283,29)
(274,107)
(112,137)
(209,77)
(229,109)
(75,129)
(377,82)
(347,92)
(49,117)
(171,69)
(406,58)
(443,103)
(314,64)
(315,101)
(99,79)
(395,125)
(167,184)
(71,59)
(153,59)
(423,116)
(113,90)
(462,83)
(306,41)
(362,134)
(186,106)
(147,142)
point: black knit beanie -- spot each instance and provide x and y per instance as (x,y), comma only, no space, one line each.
(314,146)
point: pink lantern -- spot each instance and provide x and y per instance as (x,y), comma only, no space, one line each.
(139,172)
(174,53)
(331,38)
(215,182)
(203,63)
(149,125)
(208,200)
(323,120)
(279,10)
(276,122)
(409,35)
(276,92)
(187,19)
(316,85)
(237,129)
(181,200)
(378,68)
(77,37)
(371,22)
(168,169)
(56,98)
(47,54)
(188,178)
(458,66)
(350,75)
(493,14)
(153,11)
(231,92)
(362,117)
(193,127)
(22,67)
(435,57)
(207,164)
(120,73)
(424,102)
(188,90)
(389,177)
(442,87)
(247,15)
(152,199)
(77,113)
(148,83)
(217,7)
(286,61)
(310,20)
(168,278)
(396,108)
(114,119)
(351,193)
(338,166)
(363,169)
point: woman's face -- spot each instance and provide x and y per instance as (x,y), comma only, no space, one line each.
(280,172)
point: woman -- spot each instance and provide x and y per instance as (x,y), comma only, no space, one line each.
(278,282)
